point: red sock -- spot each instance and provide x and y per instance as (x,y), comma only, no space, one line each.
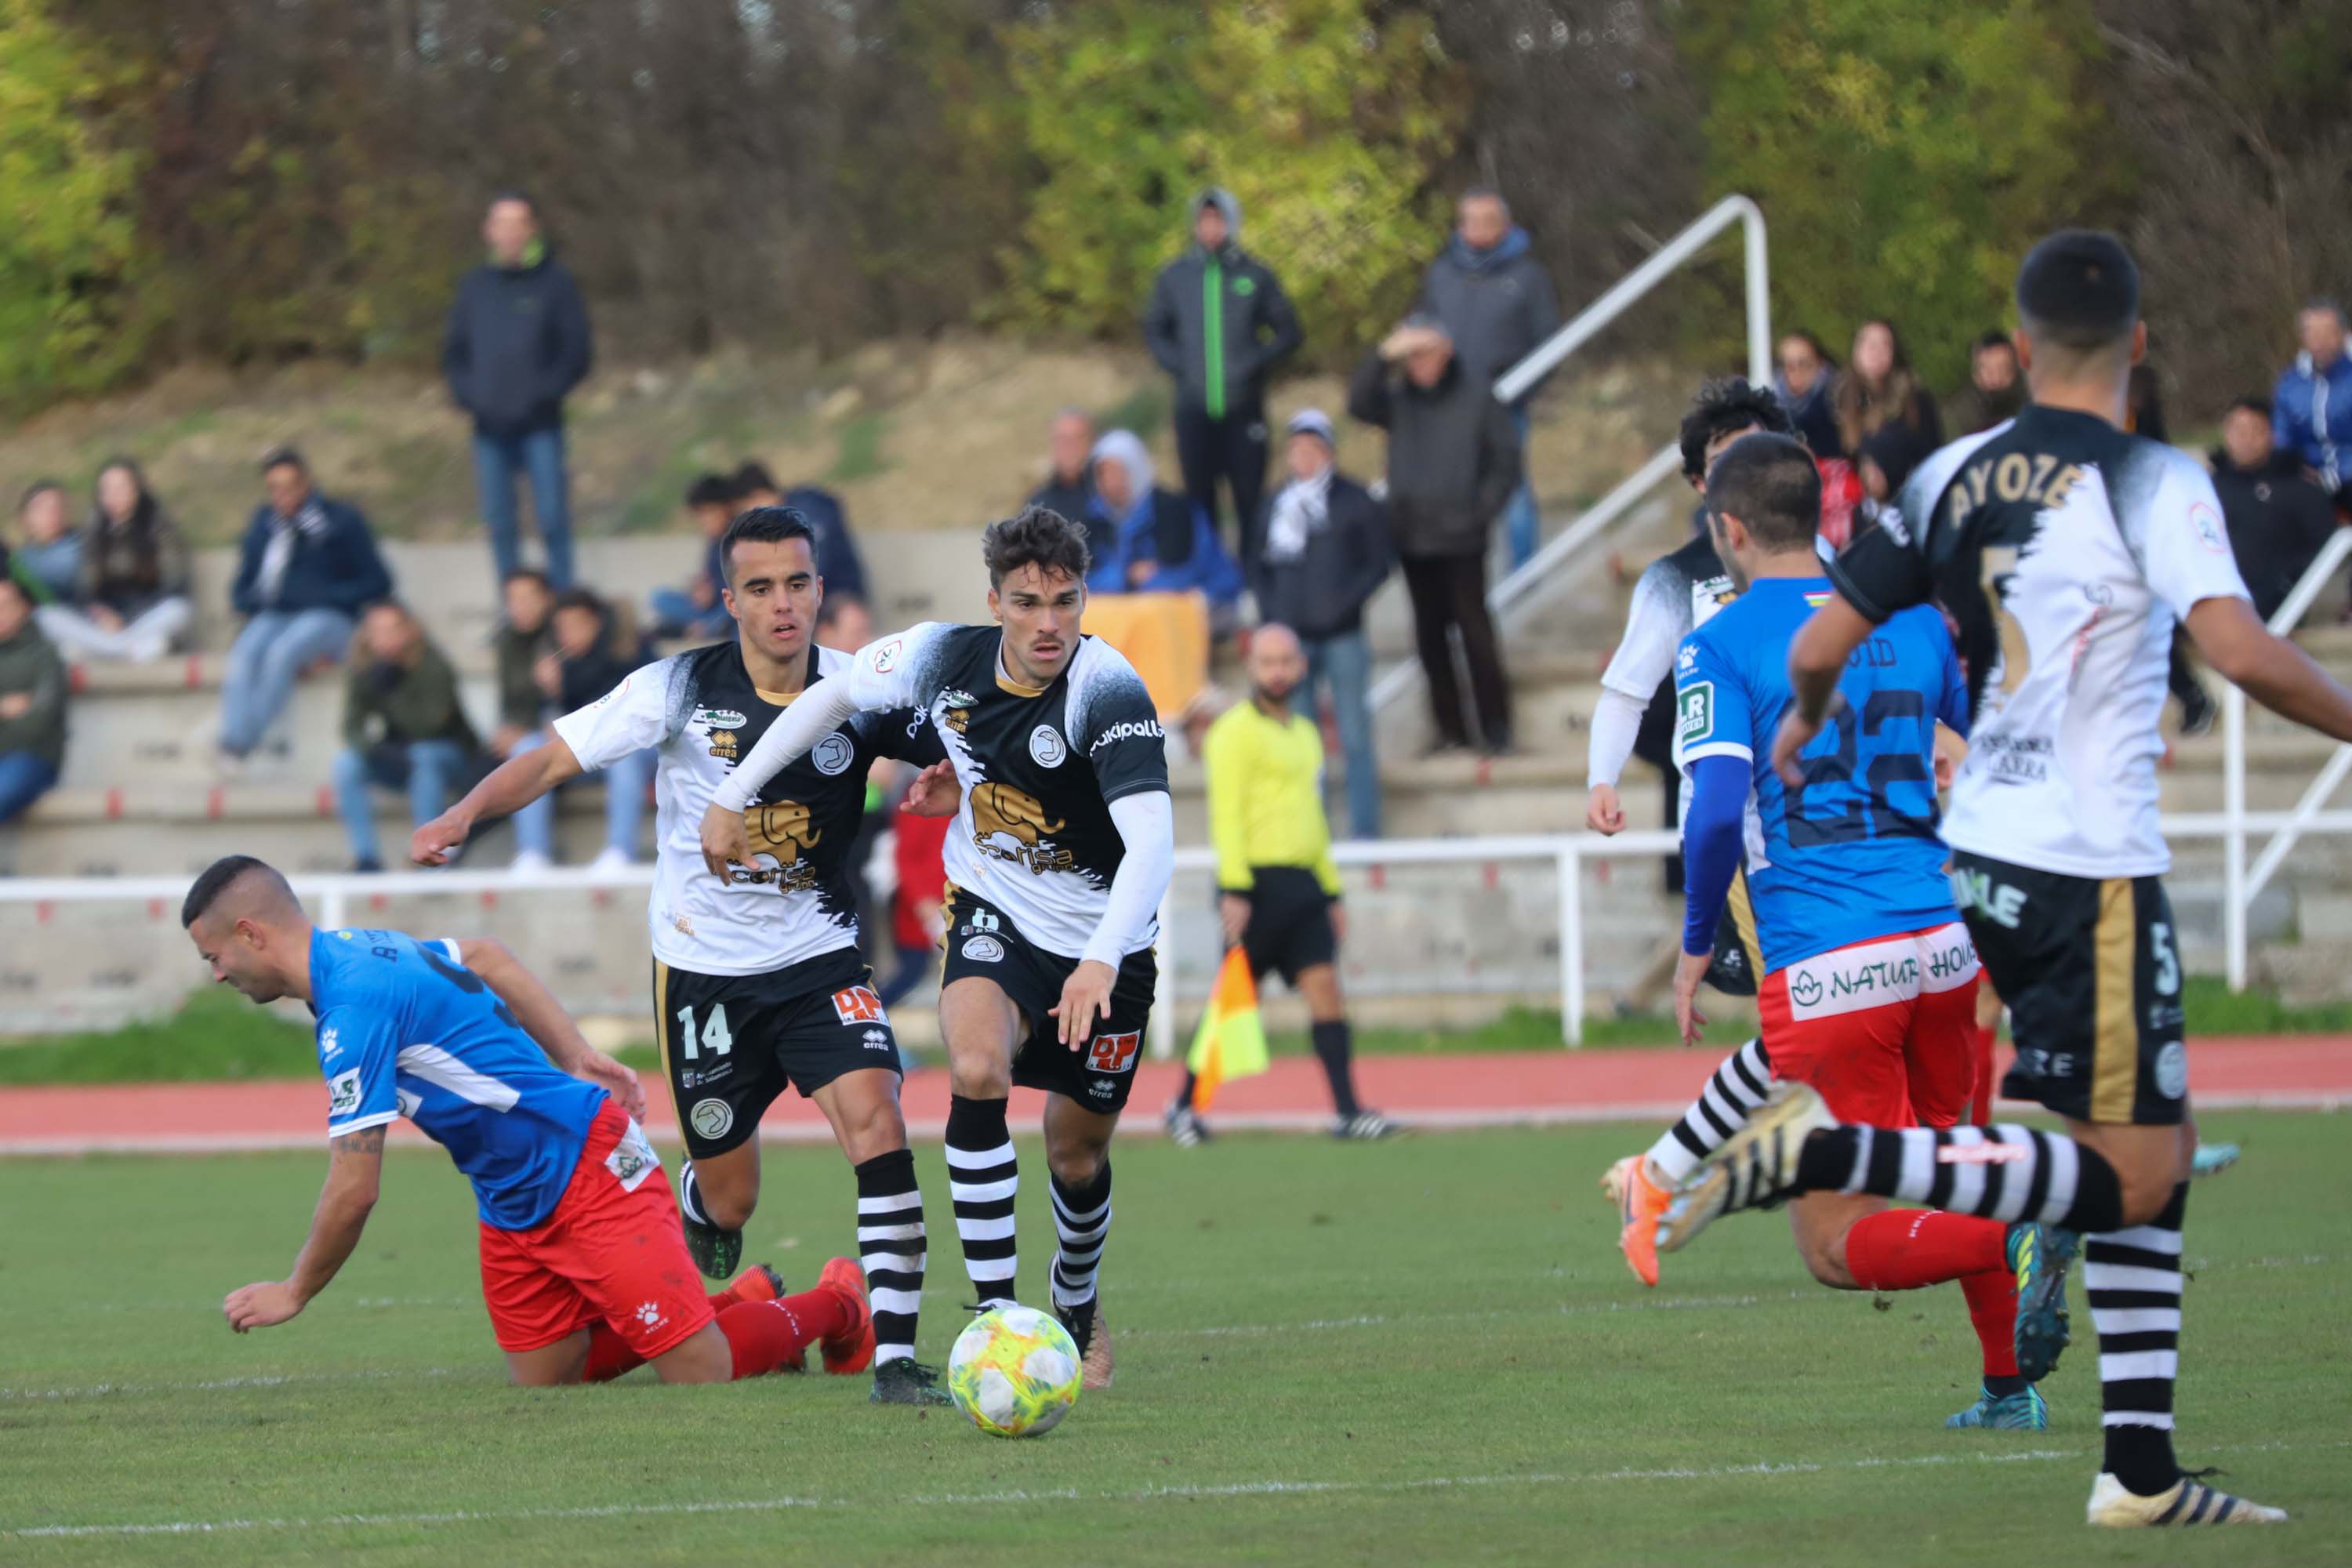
(764,1335)
(1992,1308)
(609,1355)
(1903,1249)
(1981,1047)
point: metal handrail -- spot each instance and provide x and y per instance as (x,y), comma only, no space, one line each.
(2241,886)
(1521,584)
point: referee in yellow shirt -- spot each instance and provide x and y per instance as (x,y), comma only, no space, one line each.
(1278,891)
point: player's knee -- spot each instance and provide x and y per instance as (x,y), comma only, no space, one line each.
(728,1207)
(980,1074)
(1076,1165)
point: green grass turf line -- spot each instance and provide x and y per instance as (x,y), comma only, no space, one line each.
(1412,1328)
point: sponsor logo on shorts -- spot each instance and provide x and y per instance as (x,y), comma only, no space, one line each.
(650,1315)
(329,1047)
(877,1039)
(711,1118)
(858,1005)
(1046,747)
(2172,1070)
(984,949)
(342,1094)
(1696,712)
(633,1158)
(719,718)
(833,754)
(983,920)
(1114,1053)
(1102,1088)
(1128,729)
(1852,979)
(1951,958)
(1997,902)
(695,1078)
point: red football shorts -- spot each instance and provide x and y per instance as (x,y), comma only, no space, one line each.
(1882,1028)
(612,1252)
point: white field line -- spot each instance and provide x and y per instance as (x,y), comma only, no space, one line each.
(1765,1470)
(192,1143)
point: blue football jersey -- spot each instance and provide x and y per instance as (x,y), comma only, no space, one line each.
(404,1029)
(1854,852)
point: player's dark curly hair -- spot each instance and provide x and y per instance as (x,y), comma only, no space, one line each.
(763,525)
(1040,537)
(1728,402)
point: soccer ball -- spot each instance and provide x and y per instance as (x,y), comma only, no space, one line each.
(1015,1371)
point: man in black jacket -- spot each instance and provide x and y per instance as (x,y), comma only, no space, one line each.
(1069,488)
(518,343)
(308,567)
(1217,321)
(2278,519)
(1496,301)
(1453,461)
(1326,551)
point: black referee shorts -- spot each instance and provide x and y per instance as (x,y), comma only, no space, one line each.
(1289,930)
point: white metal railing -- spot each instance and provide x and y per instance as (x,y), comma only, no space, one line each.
(1521,584)
(1567,852)
(2240,887)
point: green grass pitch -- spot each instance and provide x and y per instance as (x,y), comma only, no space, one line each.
(1424,1351)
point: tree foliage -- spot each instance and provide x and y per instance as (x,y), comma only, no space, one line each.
(70,261)
(1326,118)
(1907,153)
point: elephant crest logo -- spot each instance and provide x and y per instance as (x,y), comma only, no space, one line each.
(782,830)
(1012,825)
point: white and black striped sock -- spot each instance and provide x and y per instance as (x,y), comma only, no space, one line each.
(1722,1108)
(892,1248)
(689,1196)
(2006,1173)
(1082,1223)
(983,1179)
(2132,1279)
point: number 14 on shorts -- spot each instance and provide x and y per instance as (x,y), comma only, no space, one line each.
(717,1039)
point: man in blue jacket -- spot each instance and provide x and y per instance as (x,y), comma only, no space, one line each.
(308,567)
(518,343)
(2310,411)
(1496,301)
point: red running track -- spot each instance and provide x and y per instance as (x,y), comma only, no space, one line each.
(1519,1088)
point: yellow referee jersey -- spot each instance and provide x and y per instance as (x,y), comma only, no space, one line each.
(1266,797)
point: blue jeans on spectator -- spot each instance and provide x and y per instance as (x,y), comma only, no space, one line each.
(270,655)
(626,782)
(25,777)
(539,455)
(675,607)
(431,771)
(1344,663)
(1521,525)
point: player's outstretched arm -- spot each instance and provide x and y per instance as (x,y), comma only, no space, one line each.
(816,713)
(1711,842)
(2268,668)
(511,785)
(542,1017)
(1146,821)
(355,1175)
(1817,656)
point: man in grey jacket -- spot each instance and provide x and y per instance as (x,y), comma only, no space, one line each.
(1453,461)
(1217,321)
(1496,302)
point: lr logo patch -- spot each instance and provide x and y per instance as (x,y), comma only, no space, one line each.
(1695,710)
(1114,1053)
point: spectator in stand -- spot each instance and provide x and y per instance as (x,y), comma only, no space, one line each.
(595,648)
(48,561)
(1326,552)
(2278,519)
(1163,542)
(2312,408)
(526,635)
(404,729)
(1453,461)
(2144,404)
(1496,302)
(697,610)
(1217,323)
(518,343)
(32,705)
(308,567)
(1805,382)
(836,554)
(1069,488)
(1995,391)
(1883,463)
(1878,389)
(130,596)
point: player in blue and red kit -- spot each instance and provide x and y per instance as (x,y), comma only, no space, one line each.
(1870,980)
(583,1259)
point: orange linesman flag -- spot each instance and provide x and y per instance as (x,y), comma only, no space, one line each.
(1231,1041)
